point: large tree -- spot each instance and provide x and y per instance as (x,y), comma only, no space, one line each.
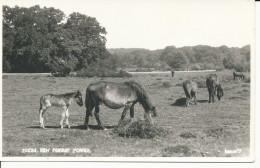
(41,40)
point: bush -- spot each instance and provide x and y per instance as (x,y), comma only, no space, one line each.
(99,70)
(61,72)
(166,84)
(139,128)
(195,67)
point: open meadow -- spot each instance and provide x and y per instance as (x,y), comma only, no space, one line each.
(203,130)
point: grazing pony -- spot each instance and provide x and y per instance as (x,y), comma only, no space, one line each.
(190,89)
(213,85)
(240,76)
(115,96)
(62,100)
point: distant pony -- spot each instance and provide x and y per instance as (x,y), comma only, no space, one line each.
(173,72)
(213,86)
(117,95)
(190,89)
(62,100)
(240,76)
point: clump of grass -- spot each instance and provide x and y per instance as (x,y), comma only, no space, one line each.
(139,128)
(179,84)
(36,77)
(166,84)
(247,80)
(178,150)
(217,132)
(245,85)
(238,97)
(4,77)
(187,135)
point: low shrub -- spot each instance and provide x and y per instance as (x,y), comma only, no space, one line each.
(179,151)
(187,135)
(98,70)
(166,84)
(139,128)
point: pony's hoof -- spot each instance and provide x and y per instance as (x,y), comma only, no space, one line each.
(105,129)
(68,126)
(42,126)
(61,127)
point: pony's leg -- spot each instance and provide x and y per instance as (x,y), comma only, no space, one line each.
(195,100)
(63,116)
(67,118)
(88,113)
(187,101)
(210,95)
(132,112)
(124,113)
(148,116)
(97,109)
(41,111)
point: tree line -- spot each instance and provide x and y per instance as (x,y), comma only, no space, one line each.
(44,39)
(198,57)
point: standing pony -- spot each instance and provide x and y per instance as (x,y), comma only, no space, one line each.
(240,76)
(190,88)
(173,72)
(62,100)
(213,86)
(115,96)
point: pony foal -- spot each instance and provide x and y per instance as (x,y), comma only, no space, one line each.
(62,100)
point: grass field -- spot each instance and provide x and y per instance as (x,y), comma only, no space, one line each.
(203,130)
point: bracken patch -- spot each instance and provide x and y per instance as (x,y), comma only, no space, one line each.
(139,128)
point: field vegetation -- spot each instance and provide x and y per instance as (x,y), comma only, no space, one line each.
(203,130)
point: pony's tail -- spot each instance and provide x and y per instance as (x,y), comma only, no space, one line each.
(89,101)
(155,113)
(40,103)
(186,90)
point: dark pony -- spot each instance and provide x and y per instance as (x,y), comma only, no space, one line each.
(220,92)
(117,95)
(240,76)
(213,85)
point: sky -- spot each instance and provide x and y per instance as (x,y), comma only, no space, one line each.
(155,24)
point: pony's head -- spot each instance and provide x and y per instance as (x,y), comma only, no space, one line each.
(220,92)
(78,98)
(153,111)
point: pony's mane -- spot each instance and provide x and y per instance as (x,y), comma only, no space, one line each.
(143,97)
(70,94)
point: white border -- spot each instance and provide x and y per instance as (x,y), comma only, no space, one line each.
(250,158)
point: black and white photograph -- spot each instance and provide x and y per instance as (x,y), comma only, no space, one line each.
(121,80)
